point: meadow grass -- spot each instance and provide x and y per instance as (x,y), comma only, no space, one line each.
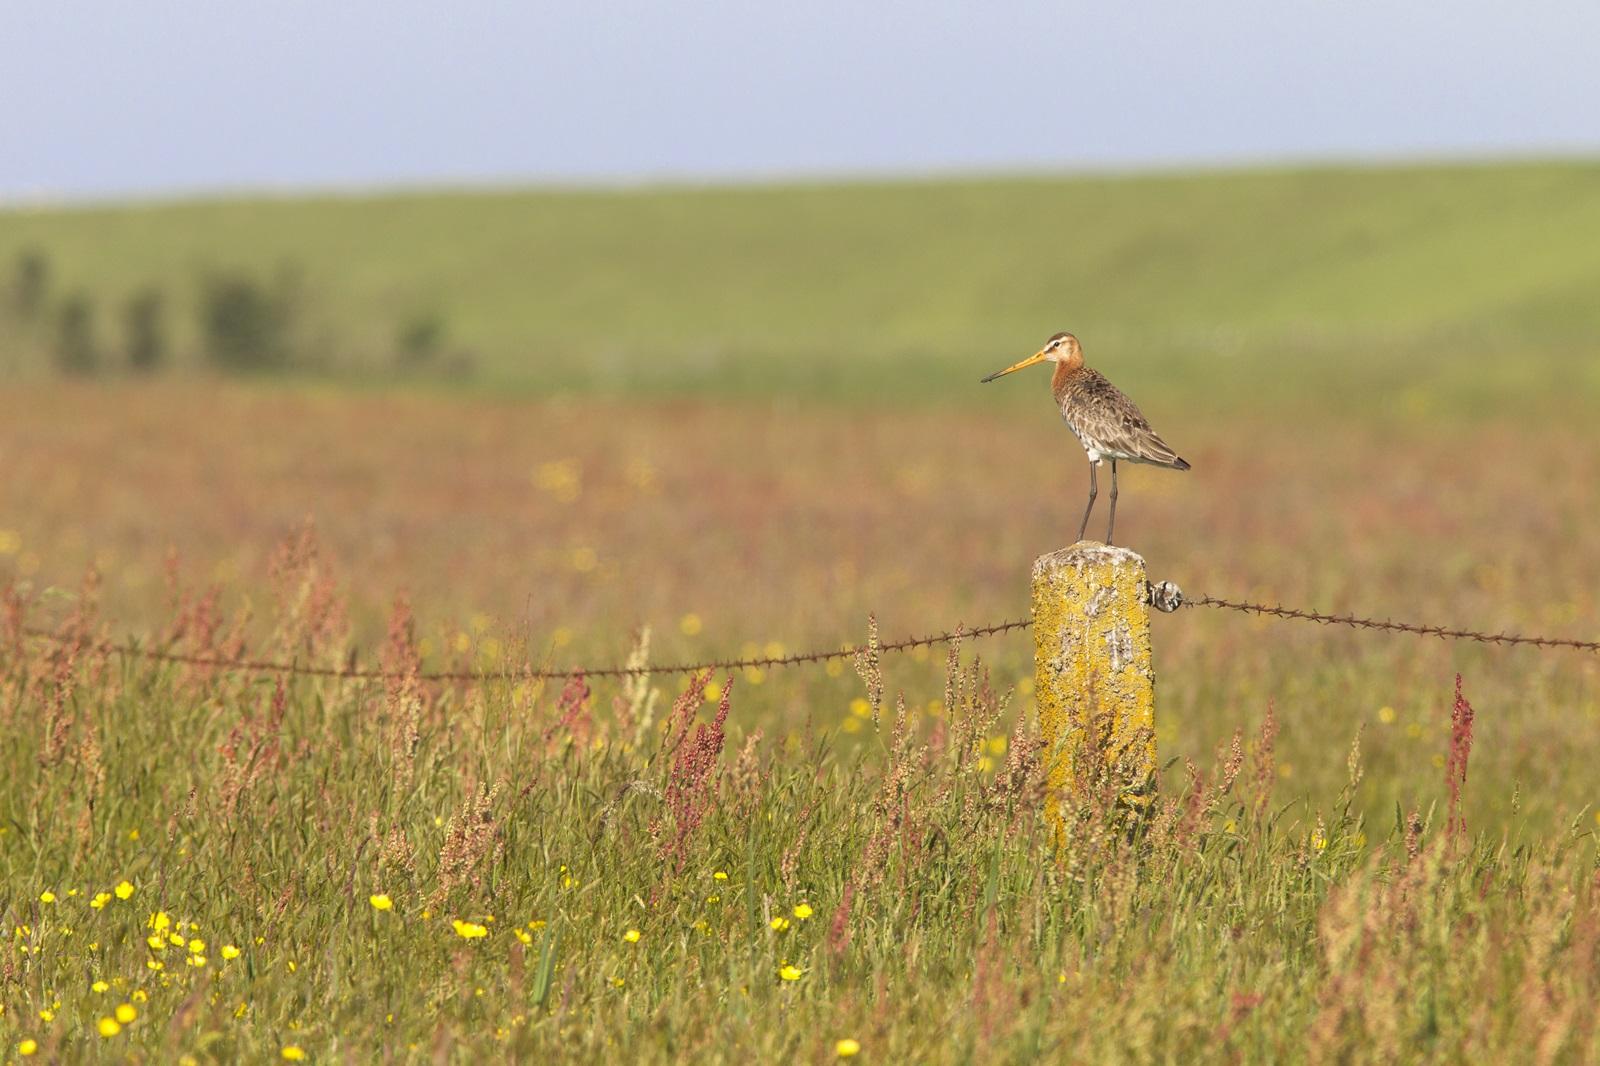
(1290,902)
(207,865)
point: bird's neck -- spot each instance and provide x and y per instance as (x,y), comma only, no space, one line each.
(1066,370)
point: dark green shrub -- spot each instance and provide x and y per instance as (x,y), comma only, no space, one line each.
(419,341)
(30,282)
(245,325)
(75,348)
(144,330)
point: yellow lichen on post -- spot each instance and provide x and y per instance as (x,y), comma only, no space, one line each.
(1094,680)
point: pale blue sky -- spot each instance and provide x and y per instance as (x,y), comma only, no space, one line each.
(105,98)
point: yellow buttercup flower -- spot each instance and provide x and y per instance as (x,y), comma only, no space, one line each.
(27,1047)
(47,896)
(124,890)
(159,921)
(126,1013)
(99,986)
(779,924)
(293,1052)
(631,936)
(847,1047)
(100,900)
(230,952)
(468,930)
(109,1027)
(525,937)
(197,946)
(381,902)
(803,911)
(790,973)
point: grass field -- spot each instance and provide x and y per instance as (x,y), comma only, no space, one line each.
(1469,285)
(514,869)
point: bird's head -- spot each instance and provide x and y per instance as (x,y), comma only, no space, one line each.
(1062,348)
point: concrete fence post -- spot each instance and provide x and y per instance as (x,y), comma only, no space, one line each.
(1093,677)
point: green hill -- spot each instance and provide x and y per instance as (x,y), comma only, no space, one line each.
(1455,284)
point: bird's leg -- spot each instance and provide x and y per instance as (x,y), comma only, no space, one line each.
(1113,523)
(1094,490)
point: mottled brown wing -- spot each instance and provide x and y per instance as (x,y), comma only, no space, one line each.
(1106,416)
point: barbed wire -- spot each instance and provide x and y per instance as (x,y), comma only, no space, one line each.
(759,662)
(1420,629)
(1166,596)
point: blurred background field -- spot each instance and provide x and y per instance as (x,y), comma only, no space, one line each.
(1378,290)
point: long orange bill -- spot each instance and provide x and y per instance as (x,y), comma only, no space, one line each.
(1036,357)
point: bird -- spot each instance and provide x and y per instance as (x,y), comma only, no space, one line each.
(1108,424)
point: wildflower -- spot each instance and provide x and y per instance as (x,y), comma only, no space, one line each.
(109,1027)
(99,986)
(159,921)
(381,902)
(197,961)
(140,996)
(803,911)
(468,930)
(197,946)
(124,890)
(525,937)
(617,982)
(631,936)
(27,1047)
(537,924)
(126,1013)
(47,1015)
(47,896)
(690,624)
(860,708)
(155,964)
(846,1048)
(293,1052)
(997,745)
(100,900)
(779,924)
(714,898)
(721,875)
(176,939)
(230,952)
(1386,715)
(789,972)
(156,943)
